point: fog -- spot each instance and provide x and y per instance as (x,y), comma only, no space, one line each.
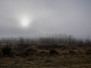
(71,17)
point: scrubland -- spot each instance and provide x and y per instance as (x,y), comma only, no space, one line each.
(45,55)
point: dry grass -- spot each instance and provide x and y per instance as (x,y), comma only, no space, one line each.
(40,57)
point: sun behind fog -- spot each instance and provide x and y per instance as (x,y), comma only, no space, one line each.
(25,22)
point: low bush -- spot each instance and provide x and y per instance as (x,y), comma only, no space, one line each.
(30,51)
(53,52)
(72,52)
(88,51)
(6,51)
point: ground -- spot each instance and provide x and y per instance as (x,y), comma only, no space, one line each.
(65,58)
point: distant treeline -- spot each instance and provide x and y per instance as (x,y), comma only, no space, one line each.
(45,40)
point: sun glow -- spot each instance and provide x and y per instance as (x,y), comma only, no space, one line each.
(25,22)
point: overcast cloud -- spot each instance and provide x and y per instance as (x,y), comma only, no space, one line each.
(71,17)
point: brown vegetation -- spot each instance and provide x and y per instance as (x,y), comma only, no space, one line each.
(23,55)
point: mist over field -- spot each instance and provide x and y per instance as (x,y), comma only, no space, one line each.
(45,33)
(45,17)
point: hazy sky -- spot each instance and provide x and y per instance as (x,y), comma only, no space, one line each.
(72,17)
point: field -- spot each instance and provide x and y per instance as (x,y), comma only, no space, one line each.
(45,56)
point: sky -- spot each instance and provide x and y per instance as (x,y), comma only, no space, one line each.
(71,17)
